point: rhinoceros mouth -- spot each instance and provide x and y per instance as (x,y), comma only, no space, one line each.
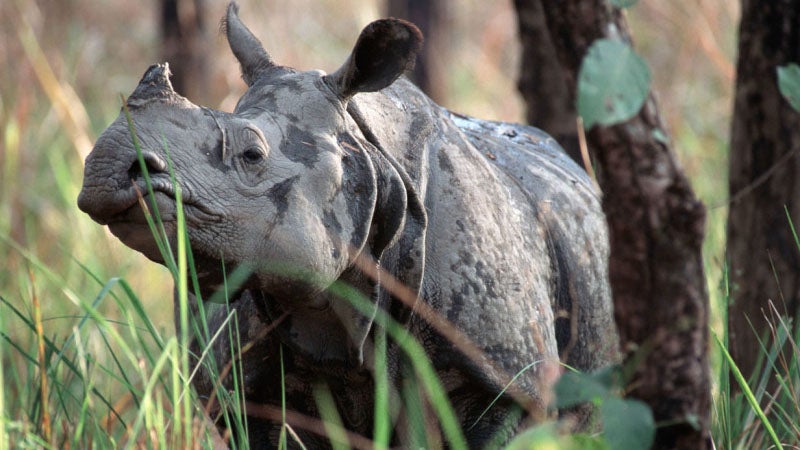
(118,206)
(130,213)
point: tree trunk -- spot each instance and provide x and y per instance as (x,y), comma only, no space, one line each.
(429,16)
(185,46)
(656,230)
(548,104)
(764,177)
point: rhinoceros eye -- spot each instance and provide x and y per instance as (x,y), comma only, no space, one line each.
(253,155)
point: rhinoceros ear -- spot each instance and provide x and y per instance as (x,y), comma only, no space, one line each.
(253,59)
(384,50)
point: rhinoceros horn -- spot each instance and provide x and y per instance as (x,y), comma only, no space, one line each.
(154,85)
(252,57)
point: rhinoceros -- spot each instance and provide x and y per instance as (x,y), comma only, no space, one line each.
(482,239)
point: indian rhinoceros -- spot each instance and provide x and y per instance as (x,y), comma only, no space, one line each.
(357,177)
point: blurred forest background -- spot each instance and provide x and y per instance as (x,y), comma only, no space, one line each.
(66,63)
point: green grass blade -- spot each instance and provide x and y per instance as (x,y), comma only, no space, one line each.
(413,349)
(183,299)
(141,314)
(156,226)
(330,418)
(282,441)
(3,419)
(52,347)
(133,299)
(382,426)
(751,399)
(86,376)
(414,407)
(791,226)
(236,398)
(500,394)
(148,400)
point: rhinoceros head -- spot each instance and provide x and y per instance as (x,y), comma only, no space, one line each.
(286,180)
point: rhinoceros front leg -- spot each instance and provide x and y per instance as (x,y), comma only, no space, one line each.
(234,340)
(221,336)
(241,335)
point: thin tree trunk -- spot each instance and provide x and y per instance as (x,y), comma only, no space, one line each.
(430,17)
(185,46)
(764,177)
(656,229)
(548,104)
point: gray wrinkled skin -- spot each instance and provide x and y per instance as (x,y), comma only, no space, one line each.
(490,224)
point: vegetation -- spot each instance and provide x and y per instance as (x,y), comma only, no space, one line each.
(89,357)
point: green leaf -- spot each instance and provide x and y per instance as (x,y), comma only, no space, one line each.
(613,83)
(541,436)
(608,376)
(627,424)
(574,388)
(789,84)
(623,3)
(548,436)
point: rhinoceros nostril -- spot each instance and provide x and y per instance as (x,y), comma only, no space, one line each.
(152,162)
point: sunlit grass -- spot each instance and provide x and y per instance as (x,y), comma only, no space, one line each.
(87,372)
(761,409)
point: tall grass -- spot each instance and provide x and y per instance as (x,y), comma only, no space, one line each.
(109,382)
(762,409)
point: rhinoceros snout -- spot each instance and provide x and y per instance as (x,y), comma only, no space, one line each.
(110,186)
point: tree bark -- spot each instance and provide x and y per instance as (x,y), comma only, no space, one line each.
(430,17)
(542,84)
(656,229)
(185,46)
(764,177)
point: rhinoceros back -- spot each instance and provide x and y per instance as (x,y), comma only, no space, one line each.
(537,189)
(568,203)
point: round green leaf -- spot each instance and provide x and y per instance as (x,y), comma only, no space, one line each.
(541,436)
(789,84)
(613,83)
(548,436)
(627,424)
(574,388)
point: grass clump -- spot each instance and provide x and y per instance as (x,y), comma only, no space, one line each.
(108,383)
(761,411)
